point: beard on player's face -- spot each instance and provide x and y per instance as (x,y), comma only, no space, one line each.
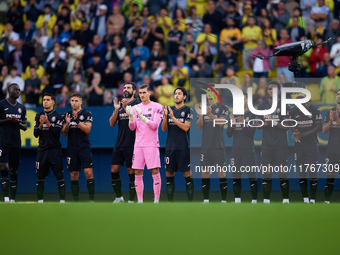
(127,94)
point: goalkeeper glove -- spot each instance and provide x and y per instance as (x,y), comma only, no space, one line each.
(140,115)
(129,113)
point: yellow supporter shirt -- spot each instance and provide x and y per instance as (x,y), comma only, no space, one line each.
(50,23)
(268,39)
(227,34)
(161,24)
(251,33)
(162,99)
(27,74)
(203,38)
(178,76)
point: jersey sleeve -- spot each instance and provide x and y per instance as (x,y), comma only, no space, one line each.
(327,117)
(288,113)
(225,112)
(59,122)
(190,115)
(23,116)
(37,131)
(260,107)
(89,118)
(317,116)
(157,118)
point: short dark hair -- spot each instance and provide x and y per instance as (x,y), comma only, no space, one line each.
(145,86)
(184,91)
(276,83)
(76,95)
(133,85)
(14,68)
(11,85)
(50,95)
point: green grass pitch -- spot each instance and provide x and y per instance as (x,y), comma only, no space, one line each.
(169,228)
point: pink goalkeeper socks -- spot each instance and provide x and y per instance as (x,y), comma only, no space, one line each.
(139,186)
(157,185)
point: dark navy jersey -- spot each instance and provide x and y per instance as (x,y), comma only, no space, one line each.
(334,135)
(49,137)
(307,122)
(243,140)
(274,136)
(177,138)
(10,133)
(126,137)
(77,139)
(212,137)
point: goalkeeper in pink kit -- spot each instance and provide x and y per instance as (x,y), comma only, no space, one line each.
(146,118)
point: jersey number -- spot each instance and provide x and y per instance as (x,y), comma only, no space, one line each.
(167,160)
(202,157)
(232,161)
(68,160)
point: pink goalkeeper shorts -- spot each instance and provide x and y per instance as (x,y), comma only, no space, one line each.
(146,155)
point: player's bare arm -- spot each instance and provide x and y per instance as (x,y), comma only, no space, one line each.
(214,117)
(165,119)
(184,126)
(199,122)
(326,127)
(85,127)
(66,127)
(114,117)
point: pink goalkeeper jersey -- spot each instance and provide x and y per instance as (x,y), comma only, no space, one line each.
(147,134)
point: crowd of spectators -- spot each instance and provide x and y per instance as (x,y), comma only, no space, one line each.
(94,46)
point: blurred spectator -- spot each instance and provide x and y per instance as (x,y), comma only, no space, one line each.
(32,11)
(63,99)
(3,77)
(264,14)
(222,6)
(14,15)
(247,12)
(304,62)
(163,21)
(269,37)
(155,6)
(180,74)
(141,71)
(135,32)
(319,32)
(79,86)
(63,17)
(180,17)
(321,71)
(175,5)
(261,92)
(306,7)
(62,54)
(195,21)
(47,20)
(213,18)
(329,86)
(56,68)
(95,91)
(45,87)
(189,50)
(116,17)
(335,52)
(261,67)
(225,59)
(291,6)
(250,35)
(55,33)
(295,32)
(98,24)
(201,69)
(68,4)
(316,57)
(65,35)
(296,13)
(283,62)
(231,35)
(43,44)
(234,15)
(9,39)
(280,17)
(174,41)
(115,52)
(332,32)
(108,98)
(95,67)
(126,78)
(84,5)
(130,6)
(125,67)
(153,33)
(249,83)
(146,17)
(230,78)
(133,14)
(19,57)
(157,54)
(74,52)
(111,76)
(140,52)
(164,93)
(95,47)
(207,38)
(27,34)
(84,35)
(77,69)
(162,70)
(32,89)
(76,18)
(320,12)
(53,3)
(13,78)
(39,69)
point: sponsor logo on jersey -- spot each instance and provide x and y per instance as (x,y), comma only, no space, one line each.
(182,114)
(217,110)
(53,119)
(81,117)
(19,110)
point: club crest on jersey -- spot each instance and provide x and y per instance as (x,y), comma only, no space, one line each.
(149,109)
(53,119)
(19,110)
(217,110)
(81,117)
(182,114)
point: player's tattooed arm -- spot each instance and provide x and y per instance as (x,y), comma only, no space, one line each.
(85,127)
(66,126)
(165,118)
(199,122)
(113,119)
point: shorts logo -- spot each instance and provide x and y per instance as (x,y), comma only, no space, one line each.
(149,109)
(53,119)
(19,110)
(81,117)
(182,114)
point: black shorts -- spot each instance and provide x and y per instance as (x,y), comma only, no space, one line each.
(244,163)
(213,157)
(304,158)
(121,154)
(177,160)
(10,156)
(274,156)
(332,163)
(78,159)
(50,158)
